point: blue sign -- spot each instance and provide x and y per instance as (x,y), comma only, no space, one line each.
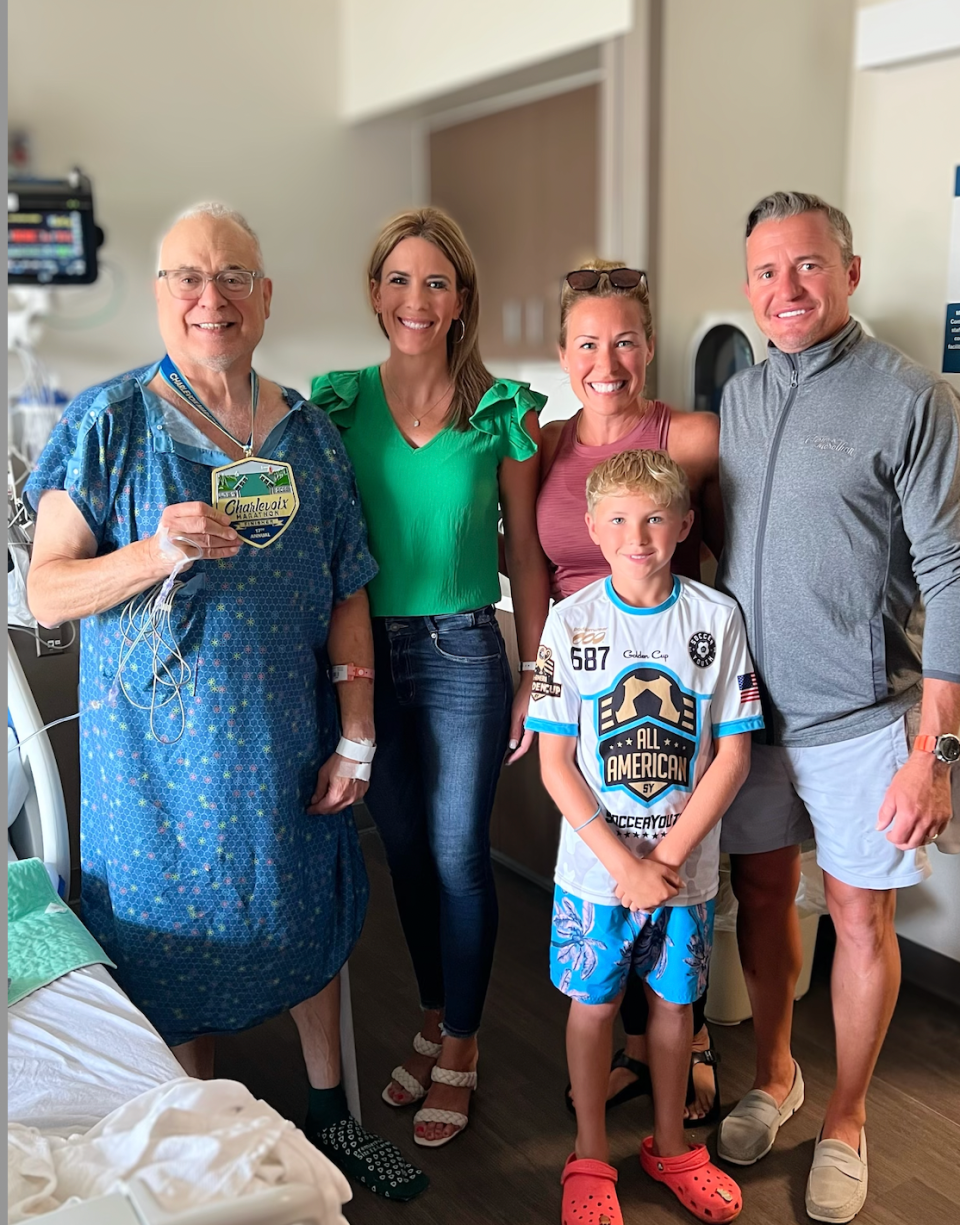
(951,340)
(951,333)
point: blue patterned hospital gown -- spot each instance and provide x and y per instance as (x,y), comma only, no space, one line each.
(221,901)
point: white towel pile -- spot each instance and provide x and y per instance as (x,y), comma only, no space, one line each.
(191,1142)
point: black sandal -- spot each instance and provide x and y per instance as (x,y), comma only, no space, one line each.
(641,1087)
(711,1059)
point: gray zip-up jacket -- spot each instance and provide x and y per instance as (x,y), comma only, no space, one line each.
(840,470)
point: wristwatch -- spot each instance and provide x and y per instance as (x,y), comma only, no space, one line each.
(944,748)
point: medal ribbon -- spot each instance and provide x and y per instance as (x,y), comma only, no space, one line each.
(178,383)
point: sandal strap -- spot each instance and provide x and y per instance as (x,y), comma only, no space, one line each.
(429,1115)
(588,1165)
(710,1057)
(408,1083)
(622,1060)
(459,1080)
(423,1046)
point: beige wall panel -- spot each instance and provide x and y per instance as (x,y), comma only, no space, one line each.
(754,98)
(425,49)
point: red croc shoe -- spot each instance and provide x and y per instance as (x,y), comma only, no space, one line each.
(589,1193)
(703,1189)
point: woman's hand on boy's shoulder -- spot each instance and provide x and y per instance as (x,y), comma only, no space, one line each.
(645,884)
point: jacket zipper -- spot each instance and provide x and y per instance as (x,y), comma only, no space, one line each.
(762,526)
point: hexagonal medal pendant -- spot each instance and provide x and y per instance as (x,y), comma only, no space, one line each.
(260,497)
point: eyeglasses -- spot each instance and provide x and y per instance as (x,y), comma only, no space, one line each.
(584,279)
(190,283)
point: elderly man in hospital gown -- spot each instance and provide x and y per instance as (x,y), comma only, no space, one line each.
(220,863)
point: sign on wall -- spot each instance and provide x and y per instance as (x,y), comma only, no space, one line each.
(951,338)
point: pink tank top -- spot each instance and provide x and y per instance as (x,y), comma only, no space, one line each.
(562,503)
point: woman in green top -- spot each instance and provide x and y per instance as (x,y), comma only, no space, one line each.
(441,450)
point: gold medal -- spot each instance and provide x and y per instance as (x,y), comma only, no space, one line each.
(259,496)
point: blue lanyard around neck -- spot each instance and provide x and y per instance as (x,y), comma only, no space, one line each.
(178,383)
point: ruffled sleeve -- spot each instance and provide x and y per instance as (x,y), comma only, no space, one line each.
(336,393)
(501,412)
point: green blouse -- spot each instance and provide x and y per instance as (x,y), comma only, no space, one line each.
(431,511)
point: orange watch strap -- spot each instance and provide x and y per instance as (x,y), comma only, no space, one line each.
(926,744)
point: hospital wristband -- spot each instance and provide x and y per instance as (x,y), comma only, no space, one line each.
(578,828)
(356,750)
(349,672)
(528,665)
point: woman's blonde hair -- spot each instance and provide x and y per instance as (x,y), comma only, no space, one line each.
(570,297)
(471,379)
(652,473)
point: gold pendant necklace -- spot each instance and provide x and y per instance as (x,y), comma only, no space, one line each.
(416,420)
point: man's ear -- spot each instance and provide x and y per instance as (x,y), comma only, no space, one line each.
(853,275)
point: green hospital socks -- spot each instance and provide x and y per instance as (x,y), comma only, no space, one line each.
(370,1160)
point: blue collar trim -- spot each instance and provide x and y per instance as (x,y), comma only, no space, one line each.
(642,612)
(185,439)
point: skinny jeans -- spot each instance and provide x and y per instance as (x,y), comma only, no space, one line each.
(442,700)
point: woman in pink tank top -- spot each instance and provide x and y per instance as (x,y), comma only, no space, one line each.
(606,343)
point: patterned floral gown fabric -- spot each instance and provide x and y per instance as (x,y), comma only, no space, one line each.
(221,901)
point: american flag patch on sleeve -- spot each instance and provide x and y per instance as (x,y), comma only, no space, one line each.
(749,689)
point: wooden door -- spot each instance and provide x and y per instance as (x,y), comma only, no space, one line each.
(524,185)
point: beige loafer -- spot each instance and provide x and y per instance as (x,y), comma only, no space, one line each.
(837,1186)
(749,1130)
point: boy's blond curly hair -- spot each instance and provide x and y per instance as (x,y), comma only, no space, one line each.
(652,473)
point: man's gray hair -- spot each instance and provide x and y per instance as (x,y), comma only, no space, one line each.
(213,208)
(780,205)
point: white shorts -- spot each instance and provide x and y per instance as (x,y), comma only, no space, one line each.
(831,792)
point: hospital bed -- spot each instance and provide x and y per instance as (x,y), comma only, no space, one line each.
(79,1050)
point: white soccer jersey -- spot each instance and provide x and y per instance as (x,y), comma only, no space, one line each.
(645,691)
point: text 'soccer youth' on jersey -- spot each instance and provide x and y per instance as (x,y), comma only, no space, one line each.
(646,691)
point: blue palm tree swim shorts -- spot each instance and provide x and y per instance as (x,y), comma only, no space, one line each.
(593,948)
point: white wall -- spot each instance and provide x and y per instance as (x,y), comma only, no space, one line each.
(899,195)
(754,98)
(164,105)
(904,151)
(930,913)
(394,55)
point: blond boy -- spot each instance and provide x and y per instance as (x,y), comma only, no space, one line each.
(645,699)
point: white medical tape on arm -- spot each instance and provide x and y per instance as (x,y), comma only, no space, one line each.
(353,769)
(356,750)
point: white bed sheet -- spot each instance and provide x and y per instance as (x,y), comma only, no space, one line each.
(77,1050)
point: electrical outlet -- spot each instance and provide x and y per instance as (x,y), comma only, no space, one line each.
(53,640)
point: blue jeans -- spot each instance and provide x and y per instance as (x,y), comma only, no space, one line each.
(442,707)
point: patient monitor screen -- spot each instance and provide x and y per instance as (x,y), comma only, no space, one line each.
(51,235)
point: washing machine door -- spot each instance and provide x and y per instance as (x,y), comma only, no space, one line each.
(723,350)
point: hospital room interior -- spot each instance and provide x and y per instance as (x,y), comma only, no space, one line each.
(554,134)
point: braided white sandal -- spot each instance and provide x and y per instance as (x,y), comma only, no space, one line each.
(459,1080)
(410,1084)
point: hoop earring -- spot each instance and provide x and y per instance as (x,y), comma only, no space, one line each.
(463,331)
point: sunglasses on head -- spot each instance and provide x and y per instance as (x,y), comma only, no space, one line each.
(584,279)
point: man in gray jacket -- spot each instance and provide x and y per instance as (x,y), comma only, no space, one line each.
(840,469)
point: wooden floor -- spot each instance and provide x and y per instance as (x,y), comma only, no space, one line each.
(506,1167)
